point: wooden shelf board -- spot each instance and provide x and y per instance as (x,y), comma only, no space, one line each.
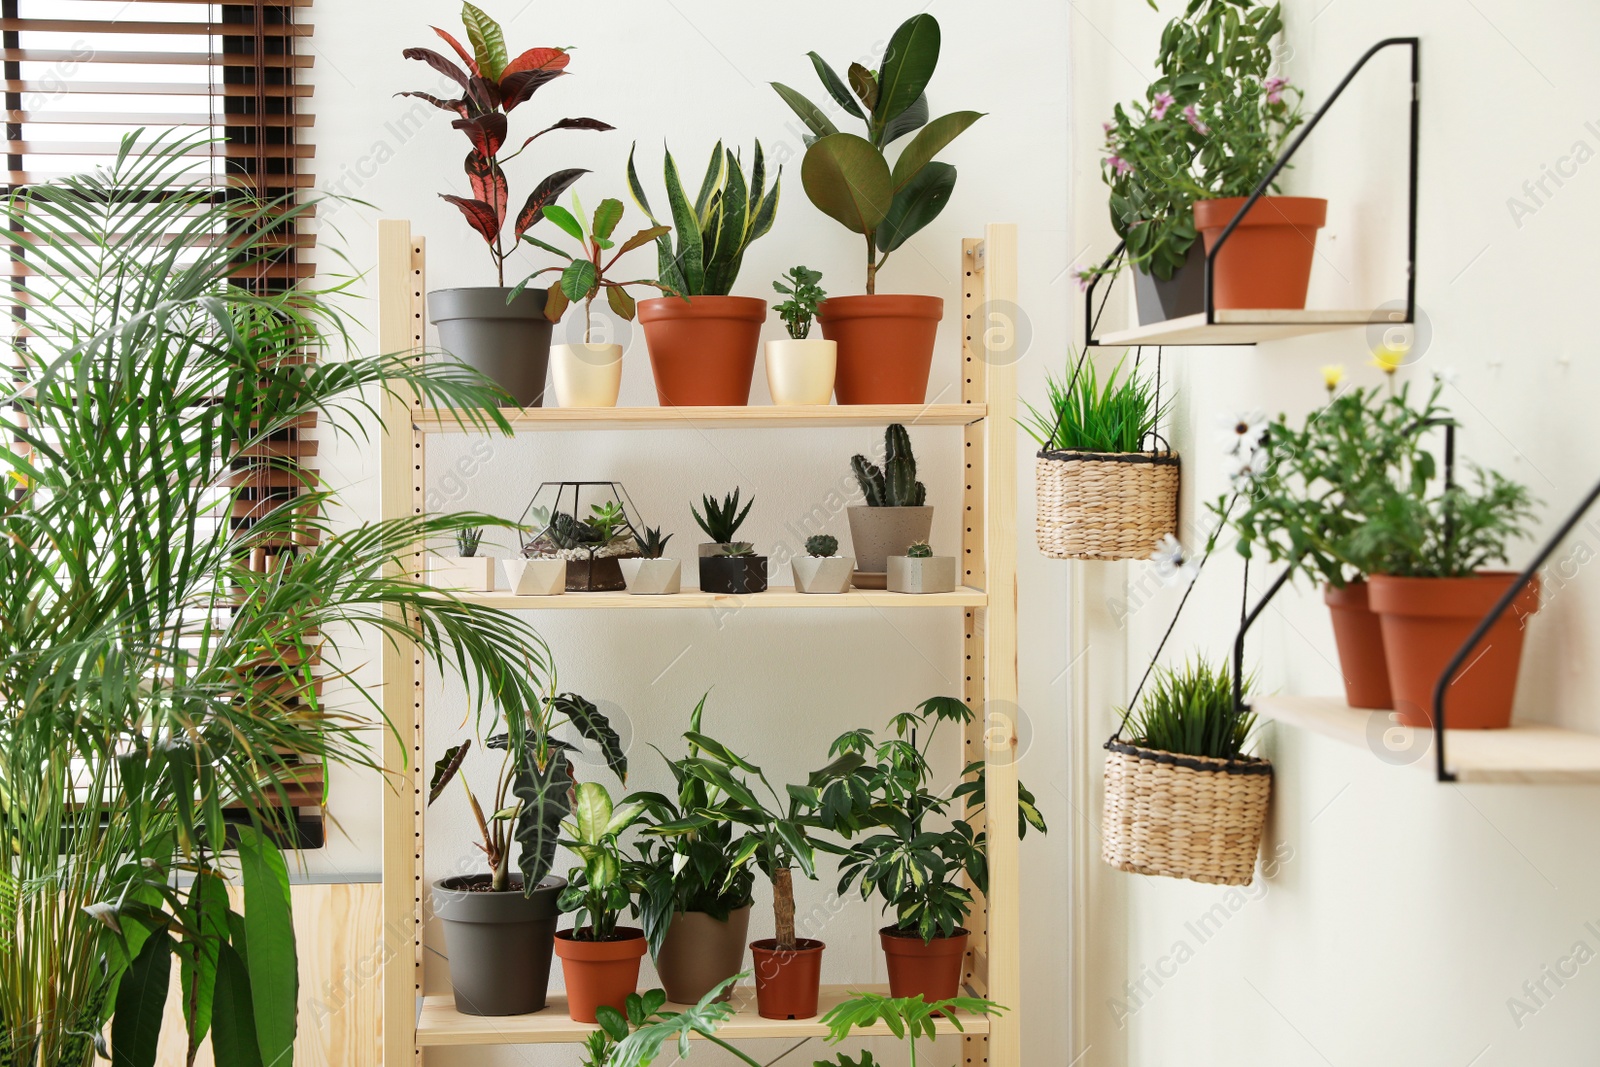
(440,1024)
(434,420)
(1530,753)
(1244,327)
(775,597)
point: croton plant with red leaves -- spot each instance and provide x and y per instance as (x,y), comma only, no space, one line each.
(492,86)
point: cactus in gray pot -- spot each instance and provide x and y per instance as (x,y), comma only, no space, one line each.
(896,485)
(822,545)
(919,550)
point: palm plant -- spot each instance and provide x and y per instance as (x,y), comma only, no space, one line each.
(150,678)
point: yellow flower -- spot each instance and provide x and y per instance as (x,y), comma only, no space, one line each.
(1388,358)
(1332,375)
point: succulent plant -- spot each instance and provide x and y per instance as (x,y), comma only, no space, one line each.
(467,541)
(651,544)
(738,548)
(608,520)
(568,531)
(919,550)
(721,521)
(822,545)
(896,485)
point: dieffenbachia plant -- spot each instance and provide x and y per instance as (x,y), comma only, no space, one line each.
(849,177)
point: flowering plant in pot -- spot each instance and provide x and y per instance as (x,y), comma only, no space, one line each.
(822,569)
(896,512)
(800,369)
(599,959)
(726,565)
(500,926)
(703,342)
(1107,488)
(652,573)
(915,850)
(885,342)
(1181,162)
(506,338)
(588,374)
(1182,800)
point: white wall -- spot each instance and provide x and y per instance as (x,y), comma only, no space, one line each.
(784,684)
(1402,916)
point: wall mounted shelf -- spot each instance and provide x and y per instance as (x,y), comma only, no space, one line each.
(775,597)
(1236,327)
(1528,753)
(433,420)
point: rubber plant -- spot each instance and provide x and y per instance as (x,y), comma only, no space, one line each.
(493,84)
(849,177)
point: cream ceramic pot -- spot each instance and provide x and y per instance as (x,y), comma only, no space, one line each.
(801,372)
(586,376)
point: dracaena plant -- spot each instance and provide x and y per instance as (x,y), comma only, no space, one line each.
(585,276)
(492,85)
(727,215)
(849,177)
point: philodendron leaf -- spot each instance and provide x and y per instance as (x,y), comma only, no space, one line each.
(835,86)
(488,43)
(577,281)
(918,204)
(582,714)
(810,114)
(848,180)
(546,797)
(908,64)
(269,928)
(927,143)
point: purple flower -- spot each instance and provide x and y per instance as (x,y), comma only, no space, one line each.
(1120,165)
(1106,126)
(1084,278)
(1274,87)
(1162,102)
(1191,114)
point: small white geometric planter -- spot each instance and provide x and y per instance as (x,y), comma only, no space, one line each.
(822,574)
(922,574)
(462,574)
(652,577)
(536,577)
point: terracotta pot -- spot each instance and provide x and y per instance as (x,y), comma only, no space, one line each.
(801,372)
(498,943)
(1359,637)
(1425,620)
(699,952)
(885,346)
(1267,260)
(600,972)
(878,533)
(703,350)
(787,983)
(586,376)
(932,969)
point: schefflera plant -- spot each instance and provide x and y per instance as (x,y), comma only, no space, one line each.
(848,177)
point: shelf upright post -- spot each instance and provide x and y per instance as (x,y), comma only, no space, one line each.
(400,318)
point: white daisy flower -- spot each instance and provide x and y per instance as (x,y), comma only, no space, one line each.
(1173,565)
(1242,432)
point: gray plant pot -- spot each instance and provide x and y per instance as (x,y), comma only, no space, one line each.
(822,574)
(499,944)
(878,533)
(699,952)
(922,574)
(652,577)
(508,342)
(1182,294)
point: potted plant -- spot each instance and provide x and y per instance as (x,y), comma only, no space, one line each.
(907,1018)
(885,342)
(1182,800)
(920,571)
(896,513)
(590,374)
(599,959)
(500,927)
(915,852)
(508,339)
(703,342)
(822,569)
(466,571)
(650,573)
(800,369)
(694,905)
(726,565)
(1100,494)
(1181,163)
(590,525)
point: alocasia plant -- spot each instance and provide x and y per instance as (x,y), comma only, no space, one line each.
(492,86)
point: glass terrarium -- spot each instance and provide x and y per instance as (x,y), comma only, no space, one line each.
(591,525)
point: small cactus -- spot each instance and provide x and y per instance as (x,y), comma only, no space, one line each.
(822,545)
(738,548)
(467,541)
(919,550)
(651,544)
(896,485)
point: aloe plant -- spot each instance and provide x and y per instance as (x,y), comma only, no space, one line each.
(727,215)
(849,177)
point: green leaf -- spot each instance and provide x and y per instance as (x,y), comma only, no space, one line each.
(908,64)
(592,812)
(233,1030)
(488,43)
(621,303)
(918,204)
(532,240)
(709,185)
(141,997)
(546,800)
(624,817)
(644,237)
(810,114)
(578,280)
(717,775)
(912,118)
(719,751)
(690,255)
(207,916)
(590,722)
(864,84)
(564,219)
(835,86)
(847,179)
(606,217)
(269,927)
(928,142)
(445,768)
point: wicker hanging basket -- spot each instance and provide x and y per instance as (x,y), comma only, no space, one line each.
(1105,505)
(1184,816)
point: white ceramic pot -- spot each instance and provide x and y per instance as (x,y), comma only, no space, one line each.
(801,372)
(536,577)
(822,574)
(922,574)
(652,577)
(462,574)
(586,376)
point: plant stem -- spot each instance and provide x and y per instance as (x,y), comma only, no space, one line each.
(715,1040)
(783,908)
(872,268)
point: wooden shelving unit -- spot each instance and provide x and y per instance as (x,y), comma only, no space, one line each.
(1242,327)
(1527,753)
(985,420)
